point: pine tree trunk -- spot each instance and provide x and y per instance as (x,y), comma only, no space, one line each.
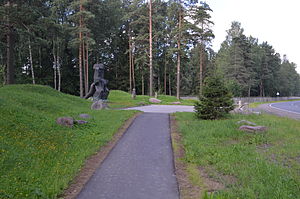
(87,67)
(130,63)
(165,77)
(54,65)
(84,68)
(150,50)
(201,70)
(31,61)
(132,69)
(58,65)
(178,55)
(10,68)
(80,52)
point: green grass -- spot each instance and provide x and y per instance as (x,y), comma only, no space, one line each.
(256,104)
(121,99)
(263,166)
(38,158)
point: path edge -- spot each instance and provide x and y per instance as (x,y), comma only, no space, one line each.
(94,161)
(186,189)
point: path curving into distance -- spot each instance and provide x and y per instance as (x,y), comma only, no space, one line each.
(140,166)
(163,108)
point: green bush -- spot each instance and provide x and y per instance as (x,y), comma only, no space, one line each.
(215,101)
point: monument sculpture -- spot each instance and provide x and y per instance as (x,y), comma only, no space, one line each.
(98,89)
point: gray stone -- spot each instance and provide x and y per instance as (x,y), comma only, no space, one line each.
(175,103)
(246,122)
(65,121)
(99,105)
(81,121)
(153,100)
(85,116)
(253,129)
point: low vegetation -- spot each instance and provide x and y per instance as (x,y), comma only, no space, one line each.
(235,164)
(38,158)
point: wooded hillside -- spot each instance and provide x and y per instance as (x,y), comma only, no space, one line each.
(165,48)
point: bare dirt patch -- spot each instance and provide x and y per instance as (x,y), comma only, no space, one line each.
(92,163)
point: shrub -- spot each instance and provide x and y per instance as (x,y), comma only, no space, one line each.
(215,101)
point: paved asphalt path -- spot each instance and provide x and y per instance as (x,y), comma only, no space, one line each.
(163,108)
(140,166)
(292,106)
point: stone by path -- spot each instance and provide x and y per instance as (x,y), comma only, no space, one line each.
(140,166)
(163,108)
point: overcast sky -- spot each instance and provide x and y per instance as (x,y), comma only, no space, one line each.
(274,21)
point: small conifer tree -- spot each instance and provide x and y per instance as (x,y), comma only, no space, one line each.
(215,101)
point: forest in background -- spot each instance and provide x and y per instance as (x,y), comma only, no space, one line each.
(152,46)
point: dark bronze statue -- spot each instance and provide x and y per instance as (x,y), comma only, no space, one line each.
(98,88)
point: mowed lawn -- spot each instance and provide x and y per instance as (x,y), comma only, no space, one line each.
(243,165)
(38,158)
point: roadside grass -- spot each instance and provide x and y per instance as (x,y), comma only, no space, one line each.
(256,104)
(121,99)
(39,158)
(262,165)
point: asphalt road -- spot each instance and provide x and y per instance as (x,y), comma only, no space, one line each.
(140,166)
(292,106)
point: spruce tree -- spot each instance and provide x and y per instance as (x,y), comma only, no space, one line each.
(215,101)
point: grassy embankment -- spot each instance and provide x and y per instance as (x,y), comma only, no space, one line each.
(242,165)
(38,158)
(119,99)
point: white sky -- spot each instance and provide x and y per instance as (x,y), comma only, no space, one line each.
(274,21)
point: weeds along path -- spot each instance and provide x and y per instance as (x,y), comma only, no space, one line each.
(140,165)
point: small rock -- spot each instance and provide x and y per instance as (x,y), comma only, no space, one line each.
(246,122)
(141,103)
(86,116)
(97,105)
(252,129)
(65,121)
(175,103)
(153,100)
(80,122)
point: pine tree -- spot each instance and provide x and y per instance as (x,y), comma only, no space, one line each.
(215,101)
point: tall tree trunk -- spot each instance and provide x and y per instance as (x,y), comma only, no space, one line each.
(150,49)
(80,51)
(54,65)
(165,77)
(10,39)
(178,54)
(132,69)
(170,85)
(84,68)
(143,82)
(87,67)
(201,57)
(58,65)
(130,63)
(31,61)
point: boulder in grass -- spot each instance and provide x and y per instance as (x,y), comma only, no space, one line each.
(175,103)
(154,100)
(246,122)
(80,122)
(253,129)
(65,121)
(85,116)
